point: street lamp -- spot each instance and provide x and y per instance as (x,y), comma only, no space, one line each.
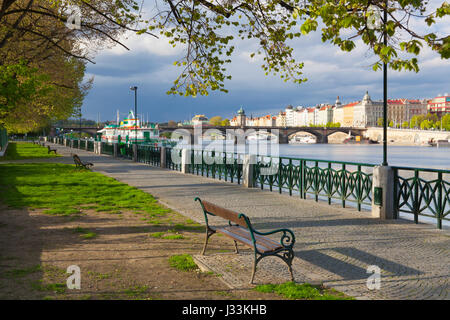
(375,20)
(135,112)
(385,163)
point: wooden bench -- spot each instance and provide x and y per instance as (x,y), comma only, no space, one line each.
(51,150)
(81,164)
(243,232)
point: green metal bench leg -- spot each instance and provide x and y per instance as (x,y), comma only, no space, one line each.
(209,233)
(288,258)
(290,270)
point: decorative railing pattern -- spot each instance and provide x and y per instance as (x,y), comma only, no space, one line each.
(422,192)
(170,164)
(107,148)
(217,165)
(82,144)
(126,151)
(149,154)
(90,145)
(330,180)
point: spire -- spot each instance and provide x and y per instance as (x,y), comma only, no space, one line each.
(338,102)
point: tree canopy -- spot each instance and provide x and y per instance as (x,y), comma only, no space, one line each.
(45,44)
(207,30)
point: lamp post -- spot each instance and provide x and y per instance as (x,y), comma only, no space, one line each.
(135,112)
(385,163)
(375,19)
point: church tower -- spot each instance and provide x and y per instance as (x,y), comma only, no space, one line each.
(241,118)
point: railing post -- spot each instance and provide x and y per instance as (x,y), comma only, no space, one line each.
(300,179)
(135,151)
(441,204)
(396,199)
(86,145)
(383,192)
(247,170)
(416,203)
(71,143)
(163,157)
(115,150)
(185,160)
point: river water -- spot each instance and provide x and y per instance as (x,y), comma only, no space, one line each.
(406,156)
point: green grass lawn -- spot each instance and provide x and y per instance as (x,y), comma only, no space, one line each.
(26,150)
(305,291)
(62,189)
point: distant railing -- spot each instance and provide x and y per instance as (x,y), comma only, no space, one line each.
(107,148)
(149,154)
(170,164)
(217,165)
(125,151)
(90,145)
(422,192)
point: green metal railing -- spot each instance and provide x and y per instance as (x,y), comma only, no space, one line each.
(90,145)
(149,154)
(125,151)
(217,165)
(82,144)
(422,192)
(170,164)
(75,143)
(107,148)
(324,180)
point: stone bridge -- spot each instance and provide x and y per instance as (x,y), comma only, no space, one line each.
(66,129)
(284,133)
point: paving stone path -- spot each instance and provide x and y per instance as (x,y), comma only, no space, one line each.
(333,245)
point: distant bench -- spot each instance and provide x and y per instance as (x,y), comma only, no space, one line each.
(81,164)
(51,150)
(243,232)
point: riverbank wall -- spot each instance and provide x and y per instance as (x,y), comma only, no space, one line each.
(407,136)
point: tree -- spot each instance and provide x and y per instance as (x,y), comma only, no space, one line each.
(437,125)
(43,26)
(391,124)
(416,121)
(446,122)
(405,125)
(215,121)
(225,123)
(172,124)
(426,124)
(199,27)
(380,122)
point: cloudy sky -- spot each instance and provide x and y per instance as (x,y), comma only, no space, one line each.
(330,73)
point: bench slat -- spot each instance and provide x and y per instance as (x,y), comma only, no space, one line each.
(242,235)
(224,213)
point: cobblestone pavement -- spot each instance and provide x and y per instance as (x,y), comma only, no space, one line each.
(333,245)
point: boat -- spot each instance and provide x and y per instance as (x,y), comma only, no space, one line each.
(439,143)
(129,131)
(359,140)
(304,139)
